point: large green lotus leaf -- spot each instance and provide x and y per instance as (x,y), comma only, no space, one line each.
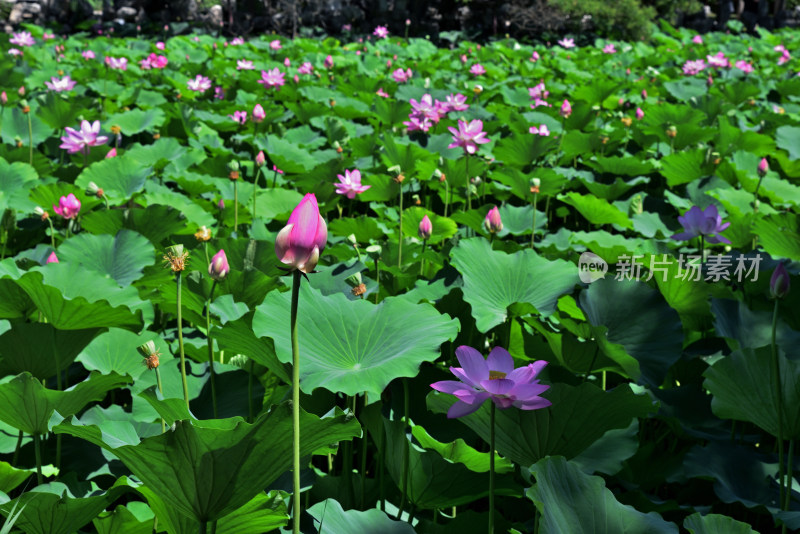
(330,518)
(459,452)
(115,351)
(618,165)
(607,454)
(120,178)
(16,181)
(522,150)
(519,220)
(743,388)
(596,210)
(364,228)
(72,298)
(29,405)
(714,524)
(41,349)
(15,124)
(494,280)
(122,257)
(196,215)
(354,346)
(134,518)
(135,121)
(59,111)
(155,222)
(779,235)
(688,297)
(746,328)
(50,509)
(684,167)
(207,469)
(288,156)
(611,247)
(275,202)
(14,302)
(237,337)
(11,477)
(788,138)
(579,416)
(443,228)
(571,501)
(645,328)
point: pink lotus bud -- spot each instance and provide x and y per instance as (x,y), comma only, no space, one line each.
(566,109)
(260,158)
(296,78)
(287,61)
(388,62)
(258,113)
(644,94)
(329,62)
(218,269)
(52,258)
(221,204)
(763,167)
(779,282)
(112,153)
(68,206)
(21,91)
(425,228)
(3,98)
(160,45)
(710,81)
(639,113)
(303,238)
(492,222)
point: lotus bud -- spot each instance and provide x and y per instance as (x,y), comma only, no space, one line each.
(566,109)
(354,279)
(52,258)
(304,237)
(38,210)
(374,252)
(492,222)
(639,113)
(261,159)
(779,282)
(92,189)
(328,62)
(476,180)
(3,98)
(425,228)
(763,167)
(258,113)
(218,269)
(221,204)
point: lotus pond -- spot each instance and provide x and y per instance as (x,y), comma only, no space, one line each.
(373,285)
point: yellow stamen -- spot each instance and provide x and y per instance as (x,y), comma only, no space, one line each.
(496,375)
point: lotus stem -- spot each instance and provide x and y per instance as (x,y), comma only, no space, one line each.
(422,256)
(161,390)
(296,511)
(180,342)
(406,450)
(235,205)
(250,392)
(491,466)
(347,458)
(469,196)
(211,348)
(400,229)
(363,462)
(255,190)
(776,373)
(533,224)
(37,446)
(377,281)
(203,525)
(30,139)
(446,196)
(789,472)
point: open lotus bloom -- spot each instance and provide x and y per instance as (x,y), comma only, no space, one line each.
(68,206)
(303,238)
(493,378)
(708,223)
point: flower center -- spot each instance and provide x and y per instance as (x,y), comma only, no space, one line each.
(496,375)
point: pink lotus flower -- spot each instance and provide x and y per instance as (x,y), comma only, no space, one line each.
(22,39)
(468,136)
(329,62)
(380,32)
(456,103)
(287,62)
(112,153)
(477,70)
(493,378)
(59,85)
(535,56)
(117,63)
(258,113)
(763,167)
(219,93)
(380,92)
(236,41)
(697,39)
(239,116)
(160,45)
(244,64)
(68,206)
(690,68)
(303,238)
(3,98)
(567,43)
(718,61)
(424,108)
(744,66)
(639,113)
(492,221)
(305,68)
(401,76)
(218,269)
(415,123)
(276,44)
(609,49)
(350,184)
(566,109)
(80,141)
(153,61)
(541,130)
(261,159)
(52,258)
(425,228)
(538,91)
(199,84)
(88,54)
(271,78)
(47,36)
(15,51)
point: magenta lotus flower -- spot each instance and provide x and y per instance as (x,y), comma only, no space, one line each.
(276,44)
(305,68)
(258,113)
(477,70)
(239,116)
(493,378)
(244,64)
(380,32)
(540,130)
(492,222)
(117,63)
(303,238)
(690,68)
(779,282)
(456,102)
(59,85)
(639,113)
(200,84)
(112,153)
(744,66)
(381,93)
(153,61)
(424,109)
(22,39)
(535,56)
(402,76)
(567,43)
(219,93)
(566,109)
(328,62)
(697,222)
(415,123)
(425,228)
(350,184)
(81,140)
(218,269)
(763,167)
(261,159)
(88,54)
(697,39)
(468,136)
(718,61)
(609,49)
(68,206)
(272,78)
(52,258)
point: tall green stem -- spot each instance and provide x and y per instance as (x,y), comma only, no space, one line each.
(469,191)
(400,229)
(250,392)
(37,449)
(202,529)
(422,261)
(789,478)
(161,390)
(180,343)
(491,466)
(377,281)
(17,448)
(236,205)
(364,462)
(446,196)
(406,450)
(52,233)
(296,511)
(30,138)
(776,373)
(211,348)
(255,190)
(533,227)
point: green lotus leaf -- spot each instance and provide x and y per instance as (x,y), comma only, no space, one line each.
(330,518)
(714,523)
(596,210)
(122,257)
(41,349)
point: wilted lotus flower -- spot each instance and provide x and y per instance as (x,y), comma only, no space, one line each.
(492,222)
(52,258)
(350,183)
(763,167)
(697,222)
(779,282)
(493,378)
(218,269)
(303,238)
(425,228)
(68,206)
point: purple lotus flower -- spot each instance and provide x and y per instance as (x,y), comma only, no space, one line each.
(350,184)
(59,85)
(81,140)
(697,222)
(272,78)
(68,206)
(468,136)
(493,378)
(779,282)
(218,269)
(303,238)
(199,84)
